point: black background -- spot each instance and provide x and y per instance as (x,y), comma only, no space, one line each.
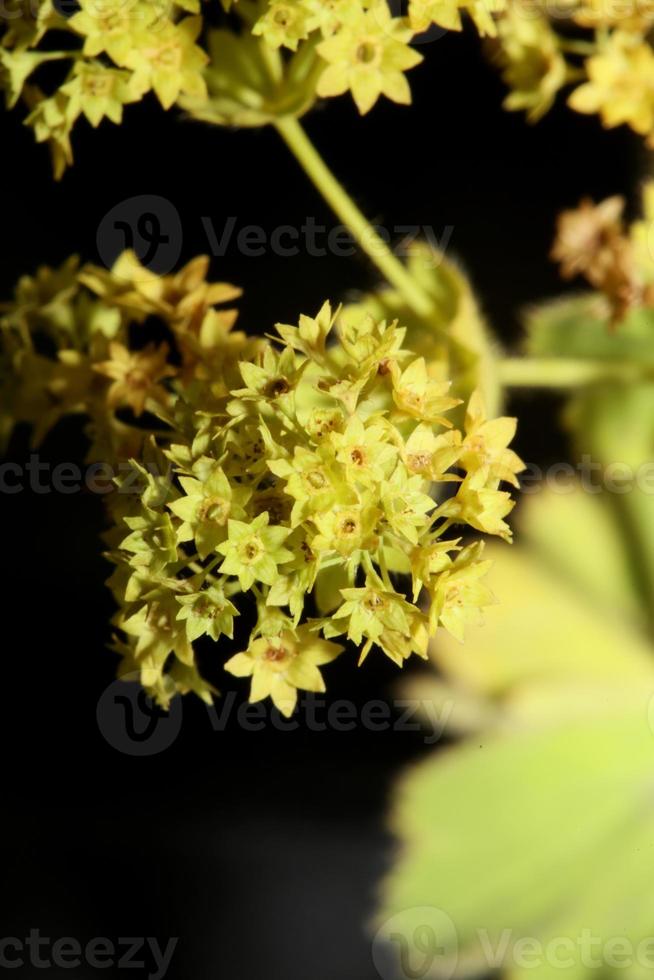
(259,850)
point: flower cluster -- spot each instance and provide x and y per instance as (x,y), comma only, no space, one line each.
(617,261)
(113,52)
(91,60)
(330,475)
(316,475)
(68,346)
(602,47)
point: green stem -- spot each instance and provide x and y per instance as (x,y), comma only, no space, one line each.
(342,204)
(381,559)
(559,372)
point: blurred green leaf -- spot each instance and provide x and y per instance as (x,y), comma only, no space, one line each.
(546,835)
(614,425)
(579,327)
(542,823)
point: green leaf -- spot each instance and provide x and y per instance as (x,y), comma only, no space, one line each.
(540,827)
(588,520)
(614,425)
(579,327)
(546,834)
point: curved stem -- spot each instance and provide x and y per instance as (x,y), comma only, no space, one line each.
(342,204)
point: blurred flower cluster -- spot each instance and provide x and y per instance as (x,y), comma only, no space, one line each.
(84,340)
(602,47)
(114,52)
(318,463)
(245,65)
(618,261)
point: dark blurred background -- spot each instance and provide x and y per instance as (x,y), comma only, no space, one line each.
(261,851)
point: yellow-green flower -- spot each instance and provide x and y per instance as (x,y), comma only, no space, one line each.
(368,56)
(16,67)
(370,613)
(109,26)
(364,451)
(533,64)
(328,15)
(431,455)
(346,529)
(419,396)
(253,551)
(52,123)
(207,612)
(273,380)
(206,506)
(406,504)
(314,481)
(486,443)
(480,504)
(447,14)
(136,376)
(458,594)
(284,24)
(97,91)
(280,665)
(168,61)
(156,635)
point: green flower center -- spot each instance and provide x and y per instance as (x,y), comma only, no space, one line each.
(112,23)
(215,509)
(418,461)
(316,479)
(367,52)
(348,526)
(277,387)
(283,16)
(168,58)
(97,85)
(251,551)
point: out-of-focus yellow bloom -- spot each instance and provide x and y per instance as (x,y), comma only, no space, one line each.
(533,65)
(169,62)
(621,85)
(136,376)
(447,14)
(284,24)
